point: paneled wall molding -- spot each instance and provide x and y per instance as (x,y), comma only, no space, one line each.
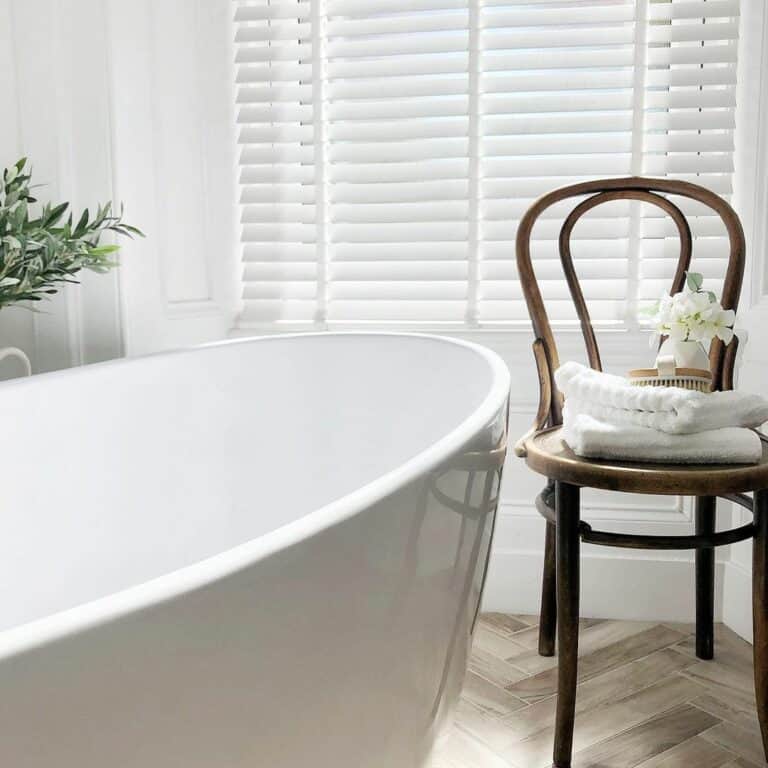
(673,513)
(737,597)
(192,308)
(751,200)
(174,150)
(128,101)
(660,588)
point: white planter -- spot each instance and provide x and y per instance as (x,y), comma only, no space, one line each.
(6,352)
(681,354)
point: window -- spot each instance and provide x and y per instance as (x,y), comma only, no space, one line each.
(389,147)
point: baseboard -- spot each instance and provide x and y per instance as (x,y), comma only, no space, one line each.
(737,599)
(612,587)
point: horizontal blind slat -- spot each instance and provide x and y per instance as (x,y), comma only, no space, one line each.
(417,64)
(399,192)
(409,24)
(694,9)
(556,16)
(272,11)
(373,7)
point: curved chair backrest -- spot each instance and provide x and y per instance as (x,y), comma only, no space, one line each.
(721,358)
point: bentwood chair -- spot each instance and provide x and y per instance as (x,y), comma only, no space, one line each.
(546,453)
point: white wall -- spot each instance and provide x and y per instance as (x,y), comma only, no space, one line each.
(752,202)
(129,101)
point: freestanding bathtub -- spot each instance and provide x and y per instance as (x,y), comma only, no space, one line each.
(266,553)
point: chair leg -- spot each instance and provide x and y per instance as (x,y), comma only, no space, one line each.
(705,579)
(548,613)
(567,556)
(760,611)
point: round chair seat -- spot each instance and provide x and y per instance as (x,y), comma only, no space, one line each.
(547,454)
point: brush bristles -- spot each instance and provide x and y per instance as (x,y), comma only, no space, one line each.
(697,385)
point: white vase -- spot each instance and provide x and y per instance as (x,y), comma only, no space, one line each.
(681,354)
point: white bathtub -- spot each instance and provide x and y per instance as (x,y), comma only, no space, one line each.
(260,553)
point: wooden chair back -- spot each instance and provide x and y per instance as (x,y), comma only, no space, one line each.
(721,357)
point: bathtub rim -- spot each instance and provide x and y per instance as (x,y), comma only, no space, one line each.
(165,588)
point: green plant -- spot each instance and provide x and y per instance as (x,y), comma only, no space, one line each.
(42,249)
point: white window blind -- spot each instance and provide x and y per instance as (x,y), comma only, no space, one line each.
(390,147)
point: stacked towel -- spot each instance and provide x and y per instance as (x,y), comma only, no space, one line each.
(605,416)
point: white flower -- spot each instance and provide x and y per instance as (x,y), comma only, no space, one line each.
(693,315)
(723,324)
(701,332)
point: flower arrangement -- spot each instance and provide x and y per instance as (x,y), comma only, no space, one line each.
(41,251)
(692,315)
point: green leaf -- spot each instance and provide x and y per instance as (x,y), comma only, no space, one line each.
(19,215)
(83,223)
(694,281)
(54,215)
(104,250)
(132,230)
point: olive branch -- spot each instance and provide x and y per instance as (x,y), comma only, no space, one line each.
(41,251)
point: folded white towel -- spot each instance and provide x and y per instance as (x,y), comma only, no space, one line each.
(614,400)
(594,439)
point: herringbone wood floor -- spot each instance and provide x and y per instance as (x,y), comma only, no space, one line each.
(644,700)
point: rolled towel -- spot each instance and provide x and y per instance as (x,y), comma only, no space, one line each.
(613,400)
(588,437)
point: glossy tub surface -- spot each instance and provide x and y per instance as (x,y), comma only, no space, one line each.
(258,553)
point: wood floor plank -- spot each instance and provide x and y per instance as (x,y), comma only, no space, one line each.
(494,669)
(610,657)
(694,753)
(492,699)
(506,624)
(653,737)
(725,711)
(526,618)
(592,638)
(733,686)
(686,628)
(501,646)
(741,742)
(602,689)
(530,637)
